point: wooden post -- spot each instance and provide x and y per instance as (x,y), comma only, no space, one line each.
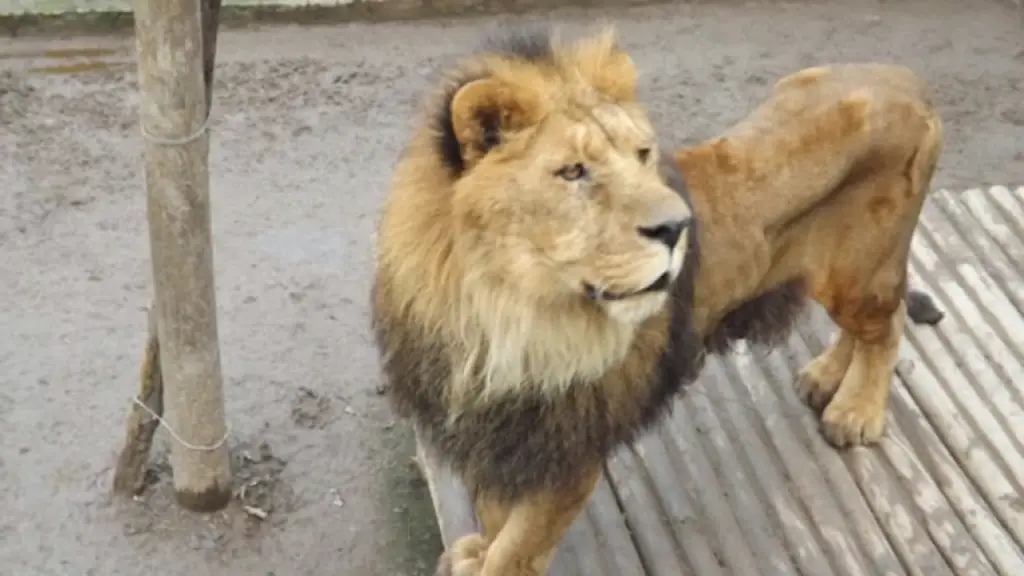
(173,109)
(130,471)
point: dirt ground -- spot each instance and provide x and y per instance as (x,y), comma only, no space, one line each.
(307,126)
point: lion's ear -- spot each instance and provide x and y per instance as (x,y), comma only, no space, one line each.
(484,110)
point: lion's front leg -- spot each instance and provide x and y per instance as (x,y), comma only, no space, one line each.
(520,538)
(464,558)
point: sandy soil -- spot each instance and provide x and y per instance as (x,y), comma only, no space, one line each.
(307,126)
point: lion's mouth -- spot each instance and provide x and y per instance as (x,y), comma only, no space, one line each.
(594,294)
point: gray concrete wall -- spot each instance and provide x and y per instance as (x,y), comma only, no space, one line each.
(52,7)
(68,6)
(19,17)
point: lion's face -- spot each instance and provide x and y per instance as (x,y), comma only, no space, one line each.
(562,197)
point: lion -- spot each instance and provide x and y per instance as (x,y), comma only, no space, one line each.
(548,278)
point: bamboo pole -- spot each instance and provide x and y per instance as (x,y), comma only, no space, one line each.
(181,364)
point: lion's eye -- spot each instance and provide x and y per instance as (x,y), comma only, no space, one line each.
(643,154)
(572,172)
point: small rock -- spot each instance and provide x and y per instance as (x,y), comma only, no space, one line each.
(257,512)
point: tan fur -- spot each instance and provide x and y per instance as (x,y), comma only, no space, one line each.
(824,181)
(822,184)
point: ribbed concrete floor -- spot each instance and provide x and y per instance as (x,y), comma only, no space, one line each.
(739,481)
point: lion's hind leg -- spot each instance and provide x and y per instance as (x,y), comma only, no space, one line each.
(861,280)
(863,287)
(820,378)
(855,414)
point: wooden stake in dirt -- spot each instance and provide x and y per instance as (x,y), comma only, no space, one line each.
(130,473)
(182,353)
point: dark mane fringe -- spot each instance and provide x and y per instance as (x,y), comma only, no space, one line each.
(765,320)
(530,45)
(683,358)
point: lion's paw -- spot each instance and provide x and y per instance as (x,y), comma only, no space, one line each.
(847,422)
(464,558)
(818,381)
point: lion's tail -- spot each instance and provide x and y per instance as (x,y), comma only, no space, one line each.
(921,307)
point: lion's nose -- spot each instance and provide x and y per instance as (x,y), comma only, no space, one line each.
(667,232)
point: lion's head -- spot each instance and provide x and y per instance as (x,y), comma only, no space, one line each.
(536,200)
(558,190)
